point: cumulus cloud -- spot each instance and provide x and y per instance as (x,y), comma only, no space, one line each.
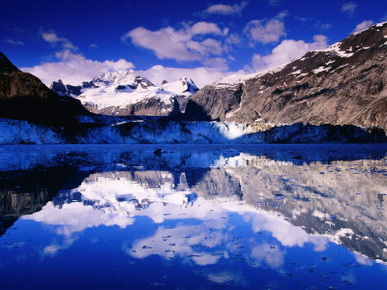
(165,43)
(265,31)
(223,9)
(205,28)
(70,66)
(363,25)
(349,8)
(74,68)
(186,44)
(287,51)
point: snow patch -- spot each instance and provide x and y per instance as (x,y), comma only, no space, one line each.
(336,48)
(234,79)
(321,69)
(381,24)
(297,72)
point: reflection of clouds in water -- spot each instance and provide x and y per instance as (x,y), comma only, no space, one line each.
(286,233)
(214,238)
(76,217)
(183,241)
(204,243)
(362,259)
(117,198)
(55,247)
(272,256)
(226,277)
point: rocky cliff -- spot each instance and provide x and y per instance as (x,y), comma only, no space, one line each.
(345,84)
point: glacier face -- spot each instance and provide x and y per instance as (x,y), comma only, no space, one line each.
(23,132)
(142,130)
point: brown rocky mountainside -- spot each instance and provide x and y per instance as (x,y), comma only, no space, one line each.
(345,84)
(25,97)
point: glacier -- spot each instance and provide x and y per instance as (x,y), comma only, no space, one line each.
(151,130)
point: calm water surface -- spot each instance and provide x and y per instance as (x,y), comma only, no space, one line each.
(193,217)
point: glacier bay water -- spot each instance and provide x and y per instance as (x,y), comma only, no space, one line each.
(188,217)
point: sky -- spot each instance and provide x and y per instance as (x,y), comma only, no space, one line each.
(165,40)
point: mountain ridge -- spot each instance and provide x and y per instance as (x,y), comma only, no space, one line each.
(24,97)
(124,92)
(344,84)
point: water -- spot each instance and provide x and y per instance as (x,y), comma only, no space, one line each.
(193,217)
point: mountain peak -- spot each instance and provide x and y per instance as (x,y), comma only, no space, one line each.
(5,65)
(125,92)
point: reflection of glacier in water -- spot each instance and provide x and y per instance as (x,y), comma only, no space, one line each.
(220,210)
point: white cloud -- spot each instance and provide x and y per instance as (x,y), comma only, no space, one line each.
(233,39)
(363,25)
(205,28)
(274,2)
(165,43)
(287,51)
(182,44)
(226,9)
(349,8)
(52,38)
(15,42)
(265,31)
(326,26)
(282,14)
(74,68)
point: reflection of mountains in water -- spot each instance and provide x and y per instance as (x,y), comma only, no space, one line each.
(343,200)
(24,193)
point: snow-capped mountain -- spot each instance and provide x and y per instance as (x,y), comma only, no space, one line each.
(125,93)
(344,84)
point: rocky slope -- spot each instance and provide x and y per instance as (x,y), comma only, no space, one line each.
(123,93)
(343,84)
(25,97)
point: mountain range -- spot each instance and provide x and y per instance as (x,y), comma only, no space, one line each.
(335,94)
(123,93)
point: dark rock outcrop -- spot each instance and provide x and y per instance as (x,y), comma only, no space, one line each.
(68,90)
(25,97)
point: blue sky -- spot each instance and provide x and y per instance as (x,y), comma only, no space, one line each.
(204,40)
